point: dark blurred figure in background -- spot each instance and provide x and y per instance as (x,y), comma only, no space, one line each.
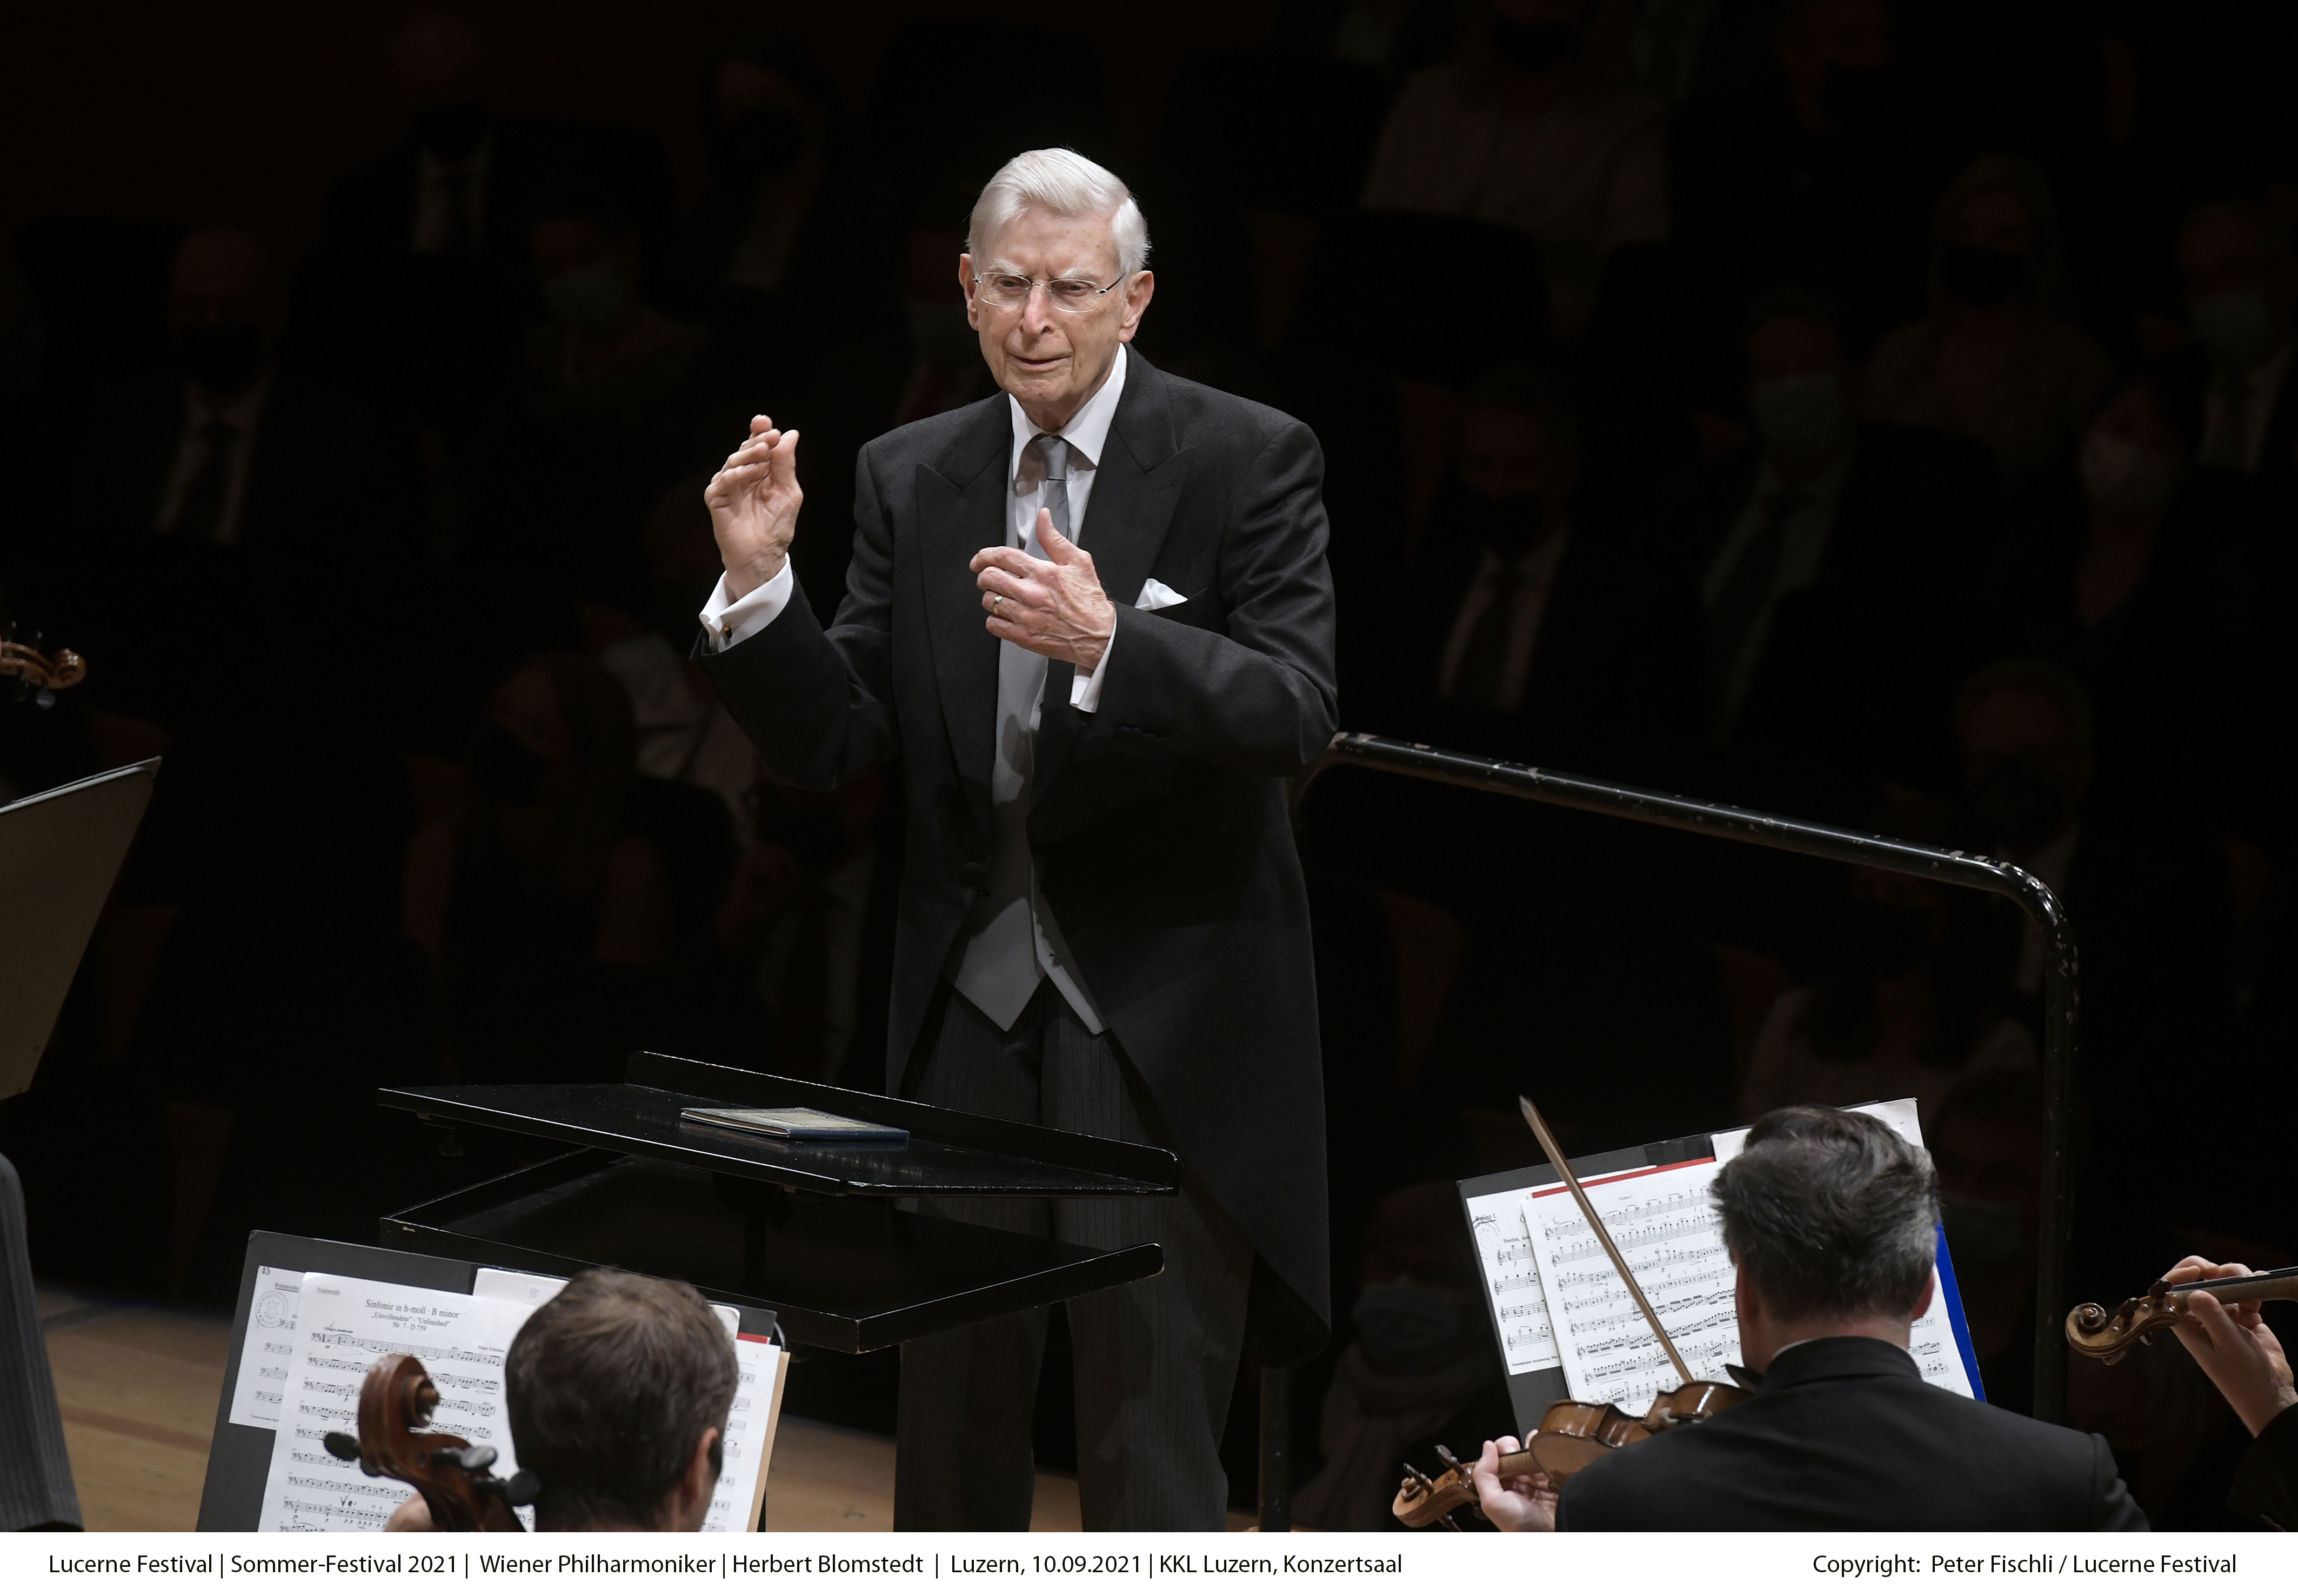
(1534,625)
(1994,361)
(1530,126)
(2147,890)
(219,501)
(1841,567)
(1817,164)
(2239,267)
(1912,1002)
(1420,1366)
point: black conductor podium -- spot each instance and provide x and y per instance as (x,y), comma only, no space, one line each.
(815,1232)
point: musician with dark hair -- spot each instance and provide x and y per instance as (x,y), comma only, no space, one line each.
(1830,1218)
(618,1390)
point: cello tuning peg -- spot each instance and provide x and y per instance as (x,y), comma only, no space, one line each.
(477,1459)
(1445,1452)
(522,1488)
(46,698)
(342,1446)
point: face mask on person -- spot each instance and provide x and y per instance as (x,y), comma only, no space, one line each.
(2027,798)
(1507,526)
(1887,939)
(1534,46)
(2234,329)
(940,332)
(1800,417)
(221,356)
(2124,480)
(1980,279)
(767,140)
(1406,1327)
(450,132)
(592,296)
(1980,1230)
(504,769)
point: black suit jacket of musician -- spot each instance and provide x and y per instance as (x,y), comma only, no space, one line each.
(1160,821)
(1844,1433)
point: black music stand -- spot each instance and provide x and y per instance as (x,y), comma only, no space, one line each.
(814,1232)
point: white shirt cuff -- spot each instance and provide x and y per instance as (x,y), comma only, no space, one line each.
(726,621)
(1085,691)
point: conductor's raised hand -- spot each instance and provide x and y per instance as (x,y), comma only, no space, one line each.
(2233,1347)
(1053,606)
(754,502)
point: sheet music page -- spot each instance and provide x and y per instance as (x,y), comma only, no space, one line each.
(269,1346)
(341,1327)
(1665,1226)
(1512,1278)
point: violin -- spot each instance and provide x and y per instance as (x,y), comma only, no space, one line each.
(455,1478)
(36,673)
(2095,1333)
(1572,1434)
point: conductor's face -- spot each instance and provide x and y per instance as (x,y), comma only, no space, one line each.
(1051,306)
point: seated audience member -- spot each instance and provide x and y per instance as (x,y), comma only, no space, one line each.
(618,1390)
(1994,361)
(619,399)
(545,918)
(1420,1366)
(1837,559)
(2239,263)
(212,474)
(1525,127)
(2244,1360)
(2147,896)
(1985,1138)
(1811,165)
(1909,1008)
(1830,1220)
(1532,625)
(2125,587)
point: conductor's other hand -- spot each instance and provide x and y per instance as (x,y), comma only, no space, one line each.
(1053,606)
(754,502)
(2242,1357)
(1526,1502)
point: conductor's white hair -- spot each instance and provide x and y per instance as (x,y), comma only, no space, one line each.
(1060,183)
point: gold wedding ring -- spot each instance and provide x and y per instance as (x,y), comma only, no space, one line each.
(998,605)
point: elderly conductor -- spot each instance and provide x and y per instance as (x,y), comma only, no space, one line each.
(1092,619)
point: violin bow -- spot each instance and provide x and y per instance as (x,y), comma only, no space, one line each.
(1595,1222)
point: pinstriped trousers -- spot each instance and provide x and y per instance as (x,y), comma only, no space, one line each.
(1156,1359)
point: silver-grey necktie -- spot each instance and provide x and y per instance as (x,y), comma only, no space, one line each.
(1001,961)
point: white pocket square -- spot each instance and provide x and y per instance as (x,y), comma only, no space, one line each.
(1156,595)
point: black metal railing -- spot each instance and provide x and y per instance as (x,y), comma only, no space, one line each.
(2060,990)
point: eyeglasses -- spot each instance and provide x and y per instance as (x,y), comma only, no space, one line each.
(1010,291)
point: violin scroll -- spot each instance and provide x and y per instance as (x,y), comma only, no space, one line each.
(36,673)
(2094,1331)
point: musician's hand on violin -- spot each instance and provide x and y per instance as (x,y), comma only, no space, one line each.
(413,1515)
(1525,1502)
(2242,1357)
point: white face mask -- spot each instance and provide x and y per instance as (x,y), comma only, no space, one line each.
(2123,479)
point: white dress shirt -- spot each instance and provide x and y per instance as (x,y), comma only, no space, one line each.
(1801,552)
(1535,572)
(726,621)
(2239,405)
(242,415)
(442,187)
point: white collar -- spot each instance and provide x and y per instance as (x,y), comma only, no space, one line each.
(241,413)
(1088,429)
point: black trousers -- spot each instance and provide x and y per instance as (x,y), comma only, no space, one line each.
(1156,1361)
(36,1479)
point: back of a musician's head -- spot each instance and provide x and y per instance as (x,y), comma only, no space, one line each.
(1832,1214)
(611,1387)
